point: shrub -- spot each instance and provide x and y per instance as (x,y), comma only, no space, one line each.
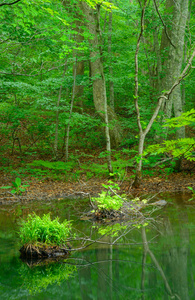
(107,200)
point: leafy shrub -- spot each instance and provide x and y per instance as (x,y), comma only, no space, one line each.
(177,148)
(183,147)
(36,230)
(107,200)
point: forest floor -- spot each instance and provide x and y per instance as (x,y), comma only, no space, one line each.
(47,189)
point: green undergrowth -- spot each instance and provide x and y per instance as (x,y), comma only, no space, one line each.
(71,170)
(57,170)
(56,165)
(101,170)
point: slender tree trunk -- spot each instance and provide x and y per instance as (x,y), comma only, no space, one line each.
(71,108)
(57,117)
(78,38)
(79,88)
(108,144)
(156,263)
(57,125)
(111,83)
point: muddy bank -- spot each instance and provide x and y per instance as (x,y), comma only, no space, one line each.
(48,190)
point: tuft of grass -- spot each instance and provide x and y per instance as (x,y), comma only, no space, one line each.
(36,230)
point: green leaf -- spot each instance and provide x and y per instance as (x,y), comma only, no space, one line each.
(190,188)
(13,191)
(18,181)
(6,187)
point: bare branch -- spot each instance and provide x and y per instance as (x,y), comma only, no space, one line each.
(10,3)
(165,27)
(156,263)
(183,74)
(167,94)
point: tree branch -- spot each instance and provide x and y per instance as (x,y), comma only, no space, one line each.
(165,27)
(147,250)
(166,94)
(10,3)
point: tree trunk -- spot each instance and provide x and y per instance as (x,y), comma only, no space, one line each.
(97,73)
(172,50)
(57,117)
(111,83)
(57,125)
(79,88)
(71,108)
(138,174)
(77,55)
(164,98)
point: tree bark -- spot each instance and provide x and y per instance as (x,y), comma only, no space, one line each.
(164,97)
(97,73)
(71,108)
(111,83)
(57,117)
(77,55)
(172,50)
(79,88)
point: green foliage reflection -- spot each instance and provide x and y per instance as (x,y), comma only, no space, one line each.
(38,278)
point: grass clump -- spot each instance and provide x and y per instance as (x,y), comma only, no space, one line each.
(36,230)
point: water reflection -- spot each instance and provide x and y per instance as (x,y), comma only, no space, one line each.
(158,263)
(37,278)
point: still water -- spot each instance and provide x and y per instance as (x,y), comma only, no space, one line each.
(152,262)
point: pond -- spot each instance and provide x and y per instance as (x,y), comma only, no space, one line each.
(152,262)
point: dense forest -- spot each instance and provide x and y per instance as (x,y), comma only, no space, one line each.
(96,89)
(97,149)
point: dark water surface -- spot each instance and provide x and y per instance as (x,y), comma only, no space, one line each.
(163,270)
